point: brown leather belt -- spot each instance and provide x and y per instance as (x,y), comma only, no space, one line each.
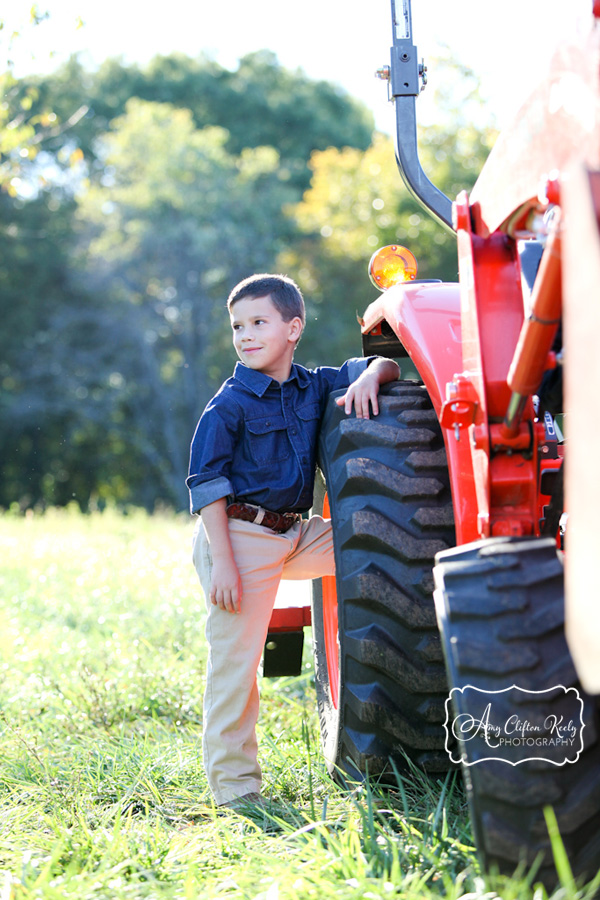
(277,522)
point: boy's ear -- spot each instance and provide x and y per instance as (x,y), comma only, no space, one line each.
(296,329)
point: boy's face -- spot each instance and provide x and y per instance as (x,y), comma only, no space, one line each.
(263,341)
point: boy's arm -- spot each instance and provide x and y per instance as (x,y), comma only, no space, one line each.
(226,584)
(366,387)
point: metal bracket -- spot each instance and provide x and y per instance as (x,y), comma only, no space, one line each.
(460,406)
(403,76)
(404,81)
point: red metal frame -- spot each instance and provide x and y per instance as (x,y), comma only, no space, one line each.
(505,468)
(330,627)
(465,342)
(289,618)
(448,333)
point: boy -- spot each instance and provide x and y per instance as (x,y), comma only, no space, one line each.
(251,477)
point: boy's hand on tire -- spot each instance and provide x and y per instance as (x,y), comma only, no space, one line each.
(360,394)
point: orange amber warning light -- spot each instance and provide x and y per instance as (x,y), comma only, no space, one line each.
(392,265)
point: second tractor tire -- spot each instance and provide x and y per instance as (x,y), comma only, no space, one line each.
(500,606)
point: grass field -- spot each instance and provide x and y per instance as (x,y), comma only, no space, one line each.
(102,790)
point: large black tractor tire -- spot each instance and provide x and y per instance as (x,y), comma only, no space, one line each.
(500,607)
(380,677)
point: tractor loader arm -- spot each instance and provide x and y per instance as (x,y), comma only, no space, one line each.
(405,75)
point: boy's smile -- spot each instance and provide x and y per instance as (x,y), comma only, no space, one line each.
(262,339)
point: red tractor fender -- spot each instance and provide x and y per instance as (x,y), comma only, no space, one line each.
(426,318)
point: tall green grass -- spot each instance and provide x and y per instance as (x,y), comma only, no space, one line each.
(102,792)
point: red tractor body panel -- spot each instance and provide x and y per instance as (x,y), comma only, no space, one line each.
(426,319)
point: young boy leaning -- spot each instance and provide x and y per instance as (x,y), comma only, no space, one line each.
(251,476)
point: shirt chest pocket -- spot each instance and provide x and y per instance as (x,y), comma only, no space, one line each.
(268,439)
(310,412)
(309,419)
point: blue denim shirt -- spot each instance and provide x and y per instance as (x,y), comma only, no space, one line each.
(256,441)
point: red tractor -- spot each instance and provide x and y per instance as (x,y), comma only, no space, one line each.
(441,640)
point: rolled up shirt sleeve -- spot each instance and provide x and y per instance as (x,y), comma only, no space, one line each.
(211,454)
(207,492)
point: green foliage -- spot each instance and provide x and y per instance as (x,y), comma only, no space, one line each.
(28,122)
(316,115)
(120,334)
(102,791)
(176,220)
(17,124)
(33,263)
(260,103)
(356,204)
(152,192)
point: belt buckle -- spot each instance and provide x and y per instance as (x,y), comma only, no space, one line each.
(288,519)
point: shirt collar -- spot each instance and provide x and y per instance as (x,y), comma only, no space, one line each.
(300,375)
(258,382)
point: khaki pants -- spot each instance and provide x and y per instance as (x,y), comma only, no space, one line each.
(236,641)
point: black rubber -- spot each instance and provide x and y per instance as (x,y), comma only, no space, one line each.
(500,607)
(388,488)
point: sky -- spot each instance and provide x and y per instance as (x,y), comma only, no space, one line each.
(508,44)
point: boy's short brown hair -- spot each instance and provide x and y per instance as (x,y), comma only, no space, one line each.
(285,294)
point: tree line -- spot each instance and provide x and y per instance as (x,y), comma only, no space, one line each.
(133,199)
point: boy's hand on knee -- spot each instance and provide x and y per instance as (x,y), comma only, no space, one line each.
(226,586)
